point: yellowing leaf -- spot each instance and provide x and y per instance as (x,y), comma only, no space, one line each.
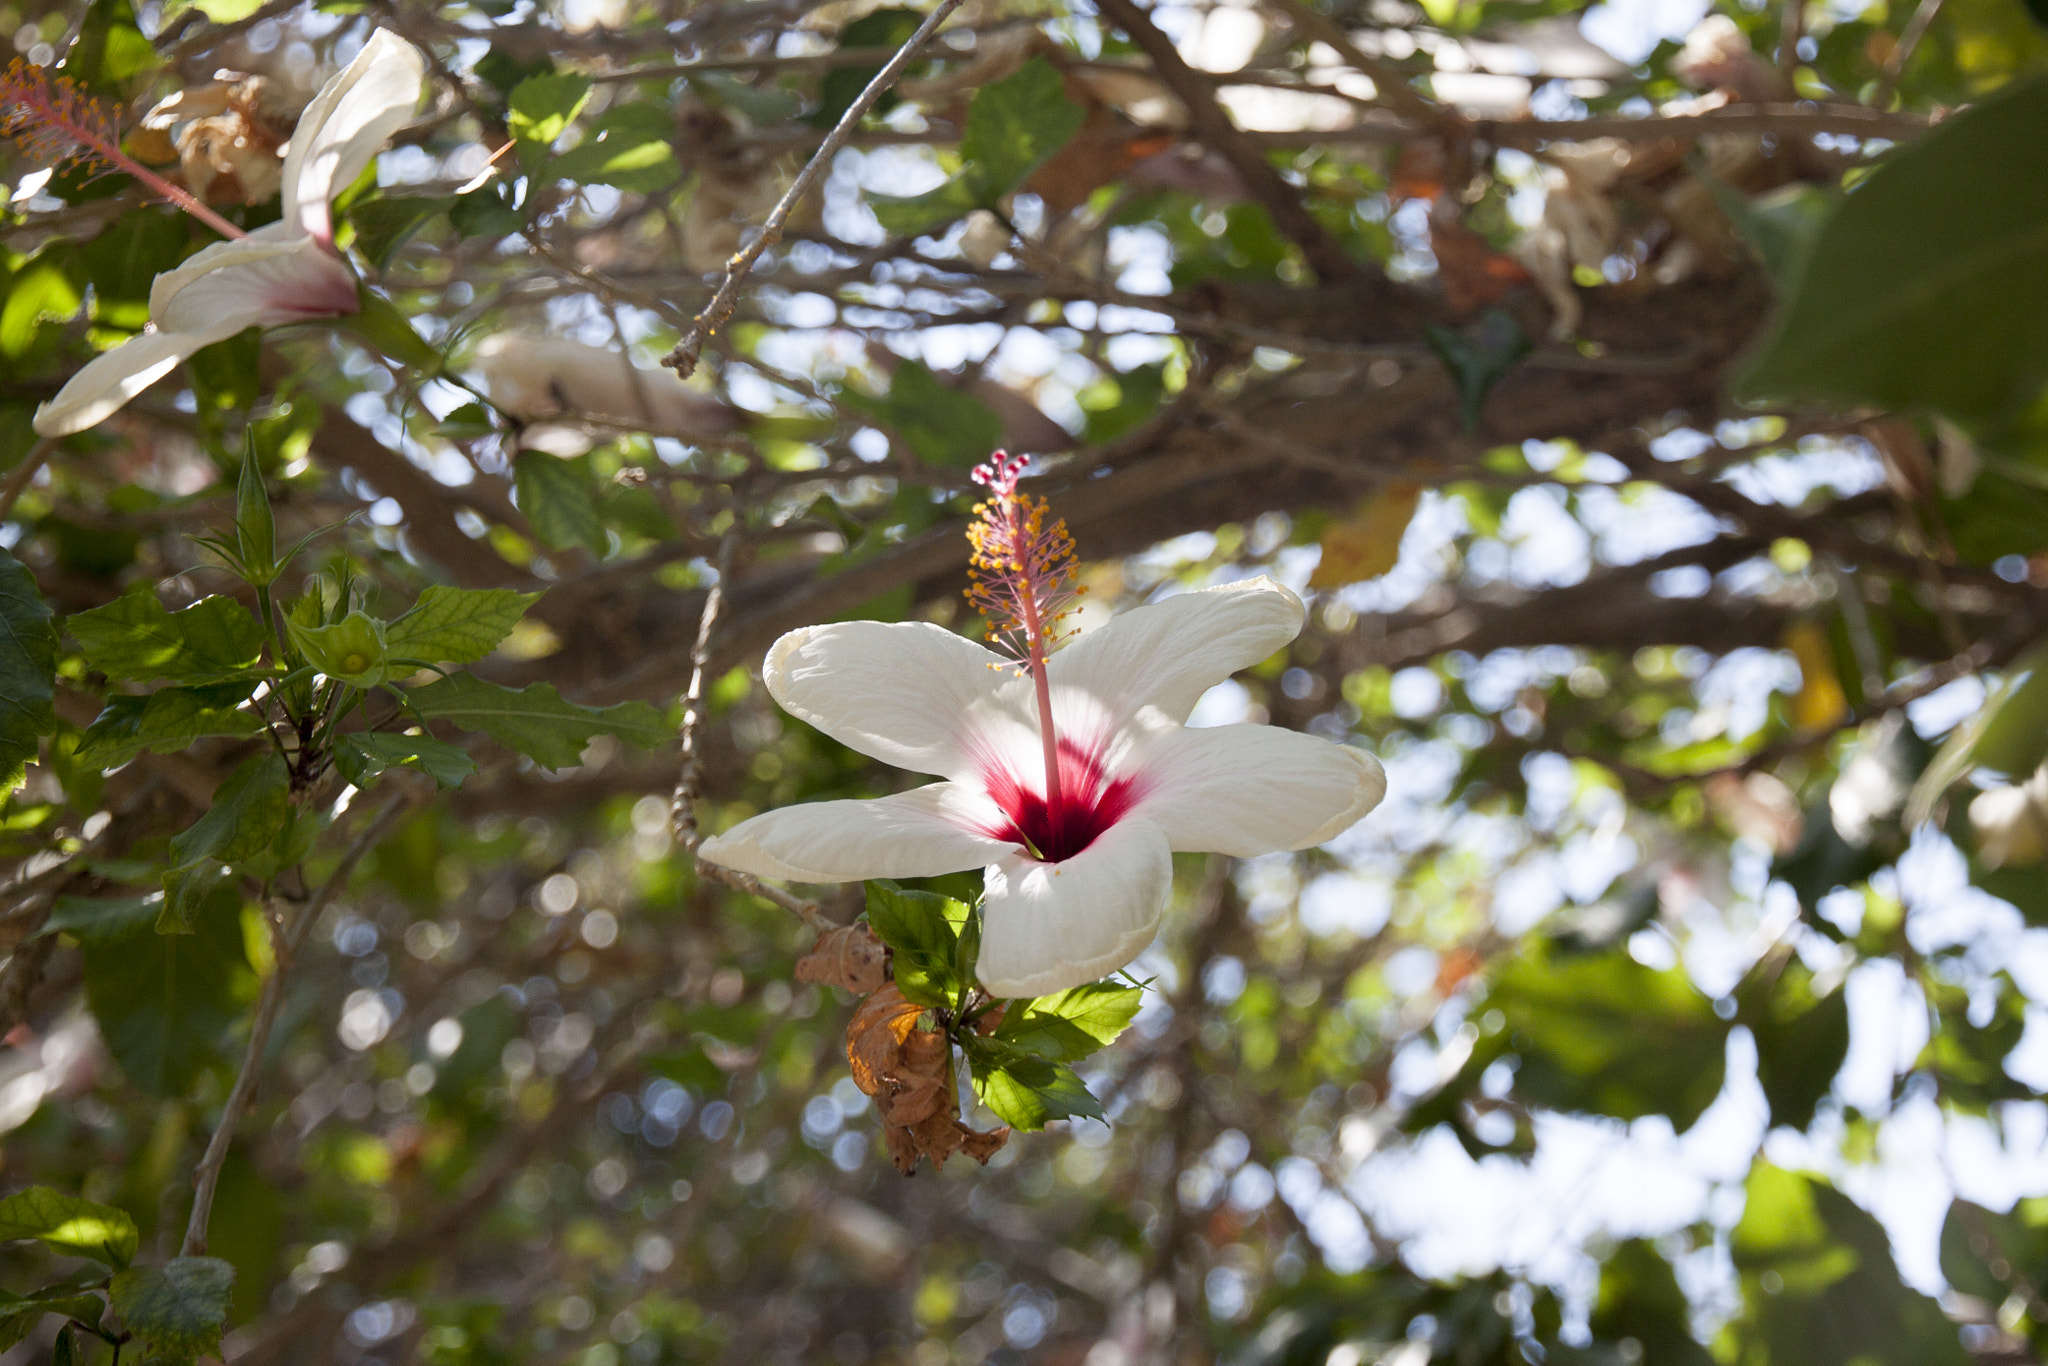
(1821,703)
(1366,544)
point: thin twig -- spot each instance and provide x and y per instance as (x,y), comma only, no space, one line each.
(682,807)
(24,474)
(286,939)
(1902,52)
(683,360)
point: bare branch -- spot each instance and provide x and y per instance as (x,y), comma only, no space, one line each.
(286,938)
(683,360)
(1325,254)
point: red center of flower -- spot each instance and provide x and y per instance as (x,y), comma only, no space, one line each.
(1089,803)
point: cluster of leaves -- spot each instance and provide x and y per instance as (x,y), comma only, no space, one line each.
(174,1313)
(923,1002)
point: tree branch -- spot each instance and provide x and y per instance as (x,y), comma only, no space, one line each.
(1325,254)
(683,360)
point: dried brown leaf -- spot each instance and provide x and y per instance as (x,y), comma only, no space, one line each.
(850,957)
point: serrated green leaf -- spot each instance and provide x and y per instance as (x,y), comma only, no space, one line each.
(535,720)
(924,931)
(165,1002)
(165,721)
(1014,125)
(28,670)
(541,110)
(1071,1024)
(942,426)
(248,807)
(559,497)
(457,625)
(69,1224)
(178,1309)
(353,649)
(133,637)
(1026,1091)
(361,757)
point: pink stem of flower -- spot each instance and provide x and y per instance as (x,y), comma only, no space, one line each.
(110,152)
(1034,633)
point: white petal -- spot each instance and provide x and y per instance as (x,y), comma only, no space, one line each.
(266,279)
(107,382)
(1246,790)
(1166,654)
(908,693)
(1049,926)
(351,118)
(921,833)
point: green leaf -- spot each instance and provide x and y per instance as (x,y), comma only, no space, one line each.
(88,918)
(134,637)
(2008,734)
(882,29)
(457,625)
(78,1227)
(535,720)
(1071,1024)
(1014,125)
(485,212)
(1478,355)
(247,812)
(942,426)
(122,262)
(28,670)
(165,721)
(1928,286)
(559,497)
(361,757)
(1026,1091)
(19,1316)
(177,1309)
(386,223)
(165,1002)
(541,110)
(1603,1034)
(903,215)
(1780,227)
(924,930)
(1640,1298)
(629,149)
(378,322)
(42,293)
(1820,1286)
(1801,1040)
(353,649)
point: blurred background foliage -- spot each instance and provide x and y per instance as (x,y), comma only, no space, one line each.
(1651,402)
